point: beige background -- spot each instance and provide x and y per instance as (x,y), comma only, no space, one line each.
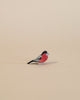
(27,27)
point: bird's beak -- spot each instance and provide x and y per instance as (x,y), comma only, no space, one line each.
(47,54)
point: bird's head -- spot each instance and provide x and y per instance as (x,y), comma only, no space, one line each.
(45,52)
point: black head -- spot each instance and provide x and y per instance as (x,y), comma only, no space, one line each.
(44,52)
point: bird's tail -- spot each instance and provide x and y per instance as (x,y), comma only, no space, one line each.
(30,61)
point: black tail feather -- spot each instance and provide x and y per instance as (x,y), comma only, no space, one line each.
(30,61)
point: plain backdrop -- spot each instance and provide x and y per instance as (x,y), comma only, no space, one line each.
(28,27)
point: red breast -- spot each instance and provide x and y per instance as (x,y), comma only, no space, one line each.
(44,58)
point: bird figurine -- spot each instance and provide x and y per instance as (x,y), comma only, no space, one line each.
(40,59)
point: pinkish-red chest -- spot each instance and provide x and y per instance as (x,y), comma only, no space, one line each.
(44,58)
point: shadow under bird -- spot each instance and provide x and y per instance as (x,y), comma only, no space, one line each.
(40,59)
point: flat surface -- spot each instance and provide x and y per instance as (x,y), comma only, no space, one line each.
(26,29)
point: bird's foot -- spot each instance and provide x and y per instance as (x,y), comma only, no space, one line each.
(41,63)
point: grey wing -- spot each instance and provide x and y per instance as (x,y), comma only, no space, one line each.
(38,58)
